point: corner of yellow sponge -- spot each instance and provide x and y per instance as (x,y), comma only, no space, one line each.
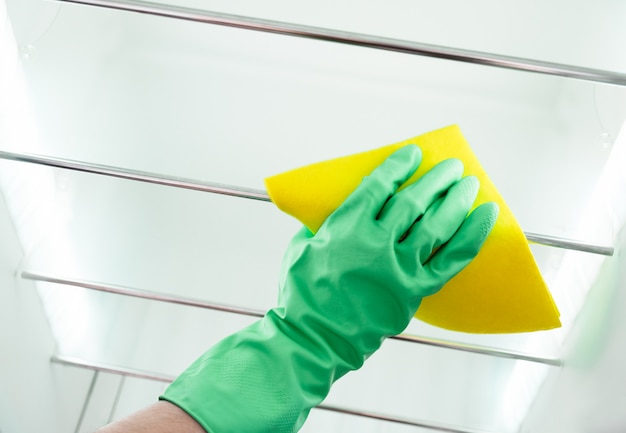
(501,291)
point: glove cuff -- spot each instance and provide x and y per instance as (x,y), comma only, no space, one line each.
(263,378)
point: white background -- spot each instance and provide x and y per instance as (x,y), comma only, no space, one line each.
(235,106)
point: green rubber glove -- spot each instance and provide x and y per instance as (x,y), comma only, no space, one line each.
(358,280)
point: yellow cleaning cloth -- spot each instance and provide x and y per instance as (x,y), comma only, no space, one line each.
(501,291)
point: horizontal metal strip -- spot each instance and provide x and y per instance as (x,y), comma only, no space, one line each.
(160,377)
(108,368)
(399,420)
(144,294)
(483,350)
(137,175)
(360,39)
(568,244)
(236,191)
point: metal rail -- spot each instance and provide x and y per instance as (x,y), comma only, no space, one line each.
(160,377)
(144,294)
(137,175)
(360,39)
(569,244)
(237,191)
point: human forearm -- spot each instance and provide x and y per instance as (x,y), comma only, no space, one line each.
(161,417)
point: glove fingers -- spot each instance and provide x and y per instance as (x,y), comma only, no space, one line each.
(442,219)
(410,204)
(452,257)
(375,189)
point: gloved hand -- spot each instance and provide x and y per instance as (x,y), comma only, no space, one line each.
(358,280)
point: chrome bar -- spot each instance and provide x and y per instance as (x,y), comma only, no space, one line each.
(484,350)
(83,411)
(553,241)
(113,369)
(143,294)
(137,175)
(398,420)
(359,39)
(160,377)
(116,400)
(236,191)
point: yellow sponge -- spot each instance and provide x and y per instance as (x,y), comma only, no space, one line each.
(501,291)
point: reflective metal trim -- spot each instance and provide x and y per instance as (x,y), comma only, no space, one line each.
(119,290)
(160,377)
(484,350)
(83,411)
(108,368)
(143,294)
(236,191)
(137,175)
(398,420)
(359,39)
(568,244)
